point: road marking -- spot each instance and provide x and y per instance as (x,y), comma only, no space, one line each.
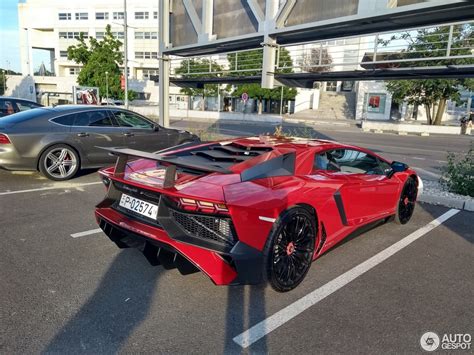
(271,323)
(57,186)
(418,158)
(89,232)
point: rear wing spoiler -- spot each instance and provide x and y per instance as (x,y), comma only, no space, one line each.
(282,165)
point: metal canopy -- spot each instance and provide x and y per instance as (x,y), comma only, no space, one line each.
(306,80)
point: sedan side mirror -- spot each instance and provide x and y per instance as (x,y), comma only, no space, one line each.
(396,167)
(156,128)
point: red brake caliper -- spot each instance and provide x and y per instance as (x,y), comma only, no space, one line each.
(290,248)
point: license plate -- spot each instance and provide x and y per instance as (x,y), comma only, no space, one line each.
(134,204)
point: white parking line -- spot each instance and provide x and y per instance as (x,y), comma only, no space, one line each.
(89,232)
(266,326)
(54,187)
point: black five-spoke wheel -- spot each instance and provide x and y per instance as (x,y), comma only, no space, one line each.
(290,249)
(406,203)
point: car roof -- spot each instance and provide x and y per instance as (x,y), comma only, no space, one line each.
(18,99)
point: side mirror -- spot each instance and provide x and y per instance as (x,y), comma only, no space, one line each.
(396,167)
(156,128)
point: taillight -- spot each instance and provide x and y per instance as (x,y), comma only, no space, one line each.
(4,139)
(190,204)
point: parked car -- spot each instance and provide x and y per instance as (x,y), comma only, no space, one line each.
(253,209)
(11,105)
(61,140)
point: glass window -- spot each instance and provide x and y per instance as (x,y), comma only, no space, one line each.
(81,119)
(141,15)
(101,15)
(99,35)
(155,15)
(67,120)
(118,15)
(23,105)
(99,119)
(127,119)
(63,54)
(64,16)
(7,107)
(82,16)
(350,161)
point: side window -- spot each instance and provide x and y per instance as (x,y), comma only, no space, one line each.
(23,106)
(67,120)
(81,119)
(7,107)
(127,119)
(350,161)
(99,119)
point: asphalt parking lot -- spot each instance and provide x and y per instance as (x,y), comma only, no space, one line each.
(65,294)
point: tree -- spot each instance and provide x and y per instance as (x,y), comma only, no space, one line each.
(316,61)
(432,93)
(249,63)
(199,68)
(99,57)
(3,82)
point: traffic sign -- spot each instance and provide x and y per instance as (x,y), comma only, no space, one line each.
(245,97)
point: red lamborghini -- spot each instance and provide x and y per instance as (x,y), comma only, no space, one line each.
(250,210)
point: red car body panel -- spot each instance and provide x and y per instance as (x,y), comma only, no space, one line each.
(254,205)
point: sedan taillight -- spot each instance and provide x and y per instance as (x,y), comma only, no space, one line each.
(4,139)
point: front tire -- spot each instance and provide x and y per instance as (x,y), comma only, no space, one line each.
(290,248)
(59,162)
(406,203)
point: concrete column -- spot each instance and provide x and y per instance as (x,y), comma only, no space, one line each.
(269,46)
(164,69)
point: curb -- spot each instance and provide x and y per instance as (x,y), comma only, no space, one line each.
(466,204)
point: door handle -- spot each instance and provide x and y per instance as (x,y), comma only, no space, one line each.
(83,134)
(128,134)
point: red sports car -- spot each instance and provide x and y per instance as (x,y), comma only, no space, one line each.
(250,210)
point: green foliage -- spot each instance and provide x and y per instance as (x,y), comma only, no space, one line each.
(3,80)
(430,43)
(249,63)
(97,58)
(458,175)
(198,68)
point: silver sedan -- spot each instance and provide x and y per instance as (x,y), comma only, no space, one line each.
(61,140)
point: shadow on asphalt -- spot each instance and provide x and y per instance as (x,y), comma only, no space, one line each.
(119,304)
(245,308)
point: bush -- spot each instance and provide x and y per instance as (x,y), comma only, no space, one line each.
(458,176)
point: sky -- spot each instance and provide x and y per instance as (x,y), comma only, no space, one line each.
(9,38)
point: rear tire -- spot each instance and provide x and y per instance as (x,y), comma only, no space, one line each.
(59,162)
(406,203)
(289,249)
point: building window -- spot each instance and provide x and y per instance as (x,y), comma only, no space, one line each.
(147,73)
(101,15)
(64,16)
(74,71)
(155,15)
(82,16)
(118,15)
(117,35)
(99,35)
(63,54)
(146,55)
(141,15)
(146,35)
(73,35)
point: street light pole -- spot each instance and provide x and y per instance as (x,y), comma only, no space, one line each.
(107,87)
(125,48)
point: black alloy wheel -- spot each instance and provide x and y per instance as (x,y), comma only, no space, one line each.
(290,248)
(407,201)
